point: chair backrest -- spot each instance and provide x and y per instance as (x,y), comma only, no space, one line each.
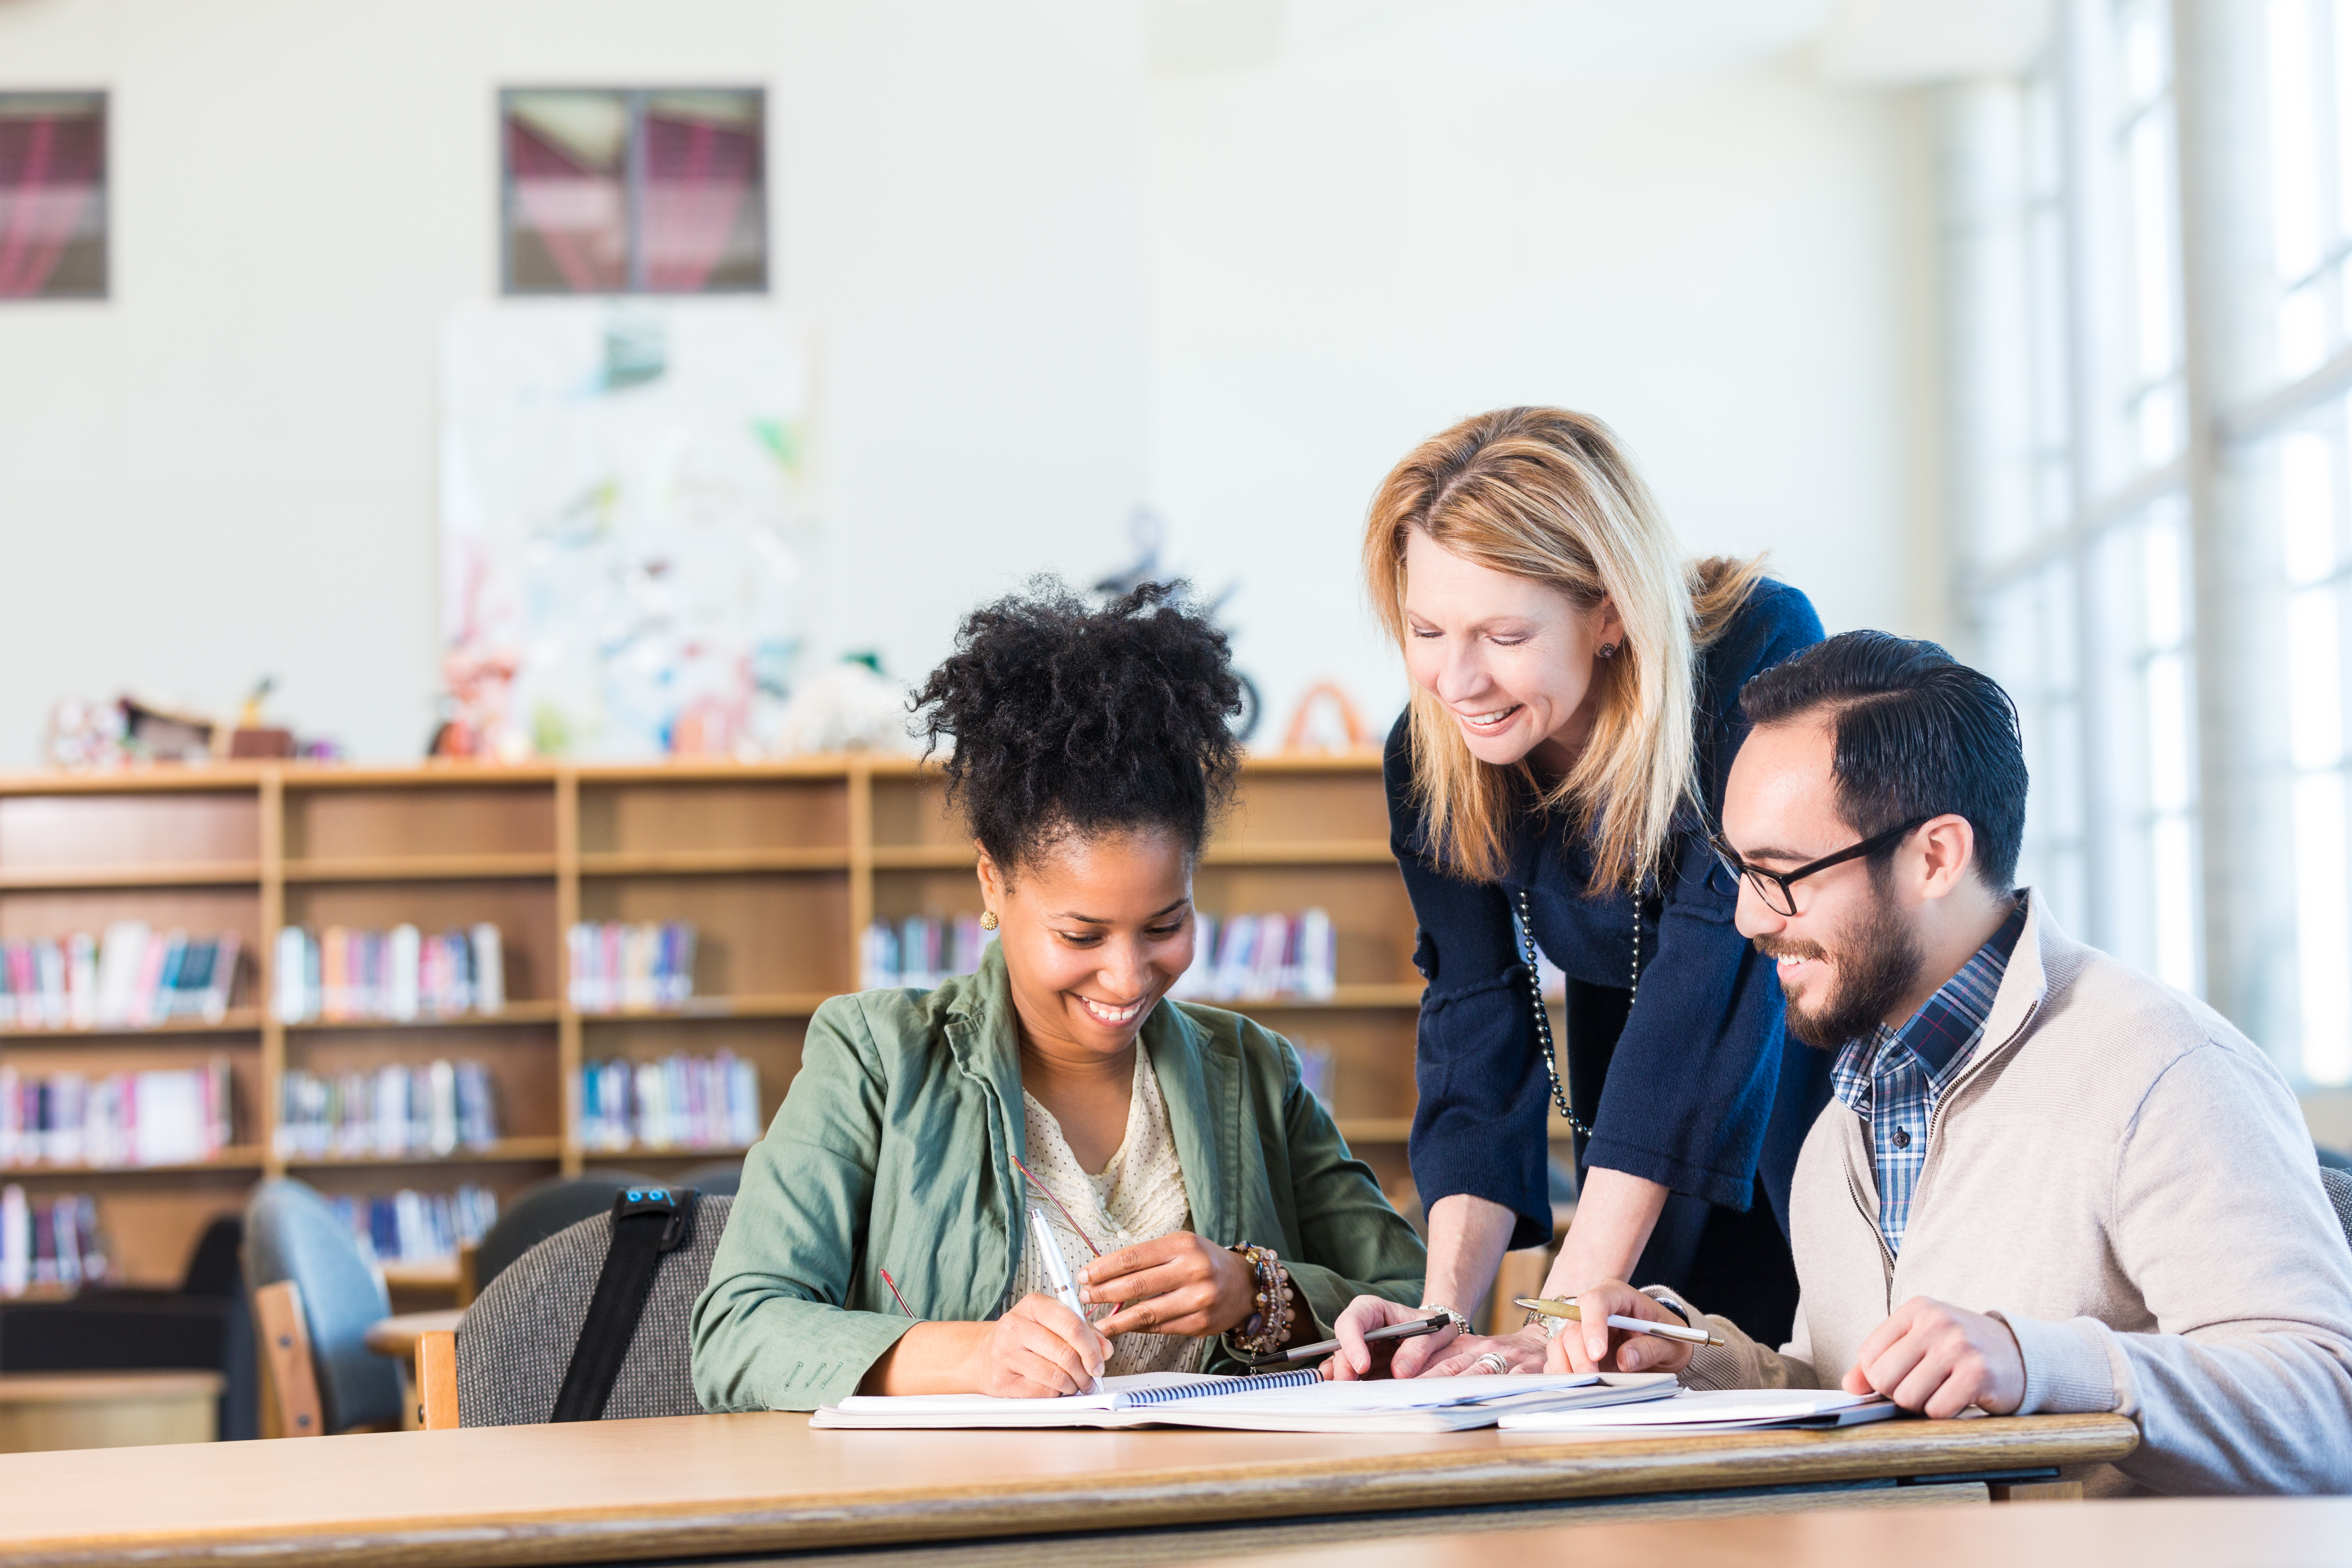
(541,1209)
(718,1178)
(515,1341)
(2339,1194)
(292,1233)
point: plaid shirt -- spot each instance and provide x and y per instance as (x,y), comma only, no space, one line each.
(1893,1079)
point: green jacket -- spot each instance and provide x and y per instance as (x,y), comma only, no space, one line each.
(893,1149)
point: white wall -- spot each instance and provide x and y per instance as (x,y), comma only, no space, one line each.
(1051,285)
(1382,228)
(228,468)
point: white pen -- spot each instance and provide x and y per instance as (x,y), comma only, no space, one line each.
(1057,1272)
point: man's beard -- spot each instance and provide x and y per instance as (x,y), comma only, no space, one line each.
(1877,963)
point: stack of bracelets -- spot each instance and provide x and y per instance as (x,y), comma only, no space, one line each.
(1269,1326)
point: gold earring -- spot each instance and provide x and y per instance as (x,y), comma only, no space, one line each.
(988,920)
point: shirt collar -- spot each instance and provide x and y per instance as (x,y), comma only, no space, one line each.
(1947,1025)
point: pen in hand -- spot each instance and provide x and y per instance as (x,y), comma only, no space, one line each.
(1058,1271)
(1566,1308)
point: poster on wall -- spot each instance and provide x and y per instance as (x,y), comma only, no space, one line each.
(628,525)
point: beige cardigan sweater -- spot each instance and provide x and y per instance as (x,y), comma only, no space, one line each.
(2124,1179)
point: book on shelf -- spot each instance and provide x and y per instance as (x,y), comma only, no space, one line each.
(623,966)
(1255,958)
(341,975)
(49,1243)
(410,1226)
(679,1102)
(399,1109)
(165,1116)
(131,976)
(919,951)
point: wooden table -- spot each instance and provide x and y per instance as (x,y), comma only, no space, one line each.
(48,1410)
(2152,1532)
(706,1485)
(397,1335)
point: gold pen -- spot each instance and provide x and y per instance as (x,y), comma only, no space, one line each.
(1566,1308)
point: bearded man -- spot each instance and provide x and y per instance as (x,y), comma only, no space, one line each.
(2047,1183)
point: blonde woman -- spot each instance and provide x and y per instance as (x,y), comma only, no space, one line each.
(1575,709)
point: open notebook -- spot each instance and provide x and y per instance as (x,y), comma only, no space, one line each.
(1714,1410)
(1267,1402)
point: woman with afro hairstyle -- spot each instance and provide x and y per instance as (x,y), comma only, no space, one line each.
(1179,1162)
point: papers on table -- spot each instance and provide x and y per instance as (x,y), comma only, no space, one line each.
(1415,1404)
(1716,1410)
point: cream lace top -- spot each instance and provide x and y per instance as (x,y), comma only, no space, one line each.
(1139,1196)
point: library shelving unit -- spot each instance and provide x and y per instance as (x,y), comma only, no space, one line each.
(779,867)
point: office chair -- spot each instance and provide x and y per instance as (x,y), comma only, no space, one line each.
(516,1342)
(537,1212)
(718,1178)
(315,1294)
(2338,1183)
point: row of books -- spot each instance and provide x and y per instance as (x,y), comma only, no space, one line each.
(919,951)
(679,1102)
(398,975)
(129,977)
(1251,958)
(178,1116)
(49,1243)
(426,1108)
(409,1226)
(618,966)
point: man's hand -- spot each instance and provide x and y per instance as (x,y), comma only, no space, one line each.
(1592,1345)
(1175,1284)
(1036,1351)
(1353,1359)
(1939,1360)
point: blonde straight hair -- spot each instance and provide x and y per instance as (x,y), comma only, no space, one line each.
(1549,495)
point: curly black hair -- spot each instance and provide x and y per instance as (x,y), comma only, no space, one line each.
(1068,721)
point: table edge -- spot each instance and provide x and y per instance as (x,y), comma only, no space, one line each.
(1136,1500)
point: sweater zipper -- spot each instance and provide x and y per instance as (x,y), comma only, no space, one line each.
(1885,1253)
(1936,1117)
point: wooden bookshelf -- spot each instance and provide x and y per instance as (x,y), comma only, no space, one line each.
(781,867)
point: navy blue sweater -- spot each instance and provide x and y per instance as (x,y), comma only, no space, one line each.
(1695,1092)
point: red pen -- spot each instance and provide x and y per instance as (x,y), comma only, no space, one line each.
(894,1292)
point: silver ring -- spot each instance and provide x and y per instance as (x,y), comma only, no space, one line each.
(1493,1361)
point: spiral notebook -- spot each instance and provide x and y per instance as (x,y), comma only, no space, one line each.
(1265,1402)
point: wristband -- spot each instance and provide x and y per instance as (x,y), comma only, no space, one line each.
(1461,1324)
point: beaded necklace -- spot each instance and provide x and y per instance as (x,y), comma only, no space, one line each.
(1543,1016)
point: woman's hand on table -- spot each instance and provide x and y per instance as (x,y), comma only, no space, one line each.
(1174,1284)
(1521,1352)
(1036,1351)
(1591,1345)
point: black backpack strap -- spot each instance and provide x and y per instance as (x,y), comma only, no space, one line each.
(647,1223)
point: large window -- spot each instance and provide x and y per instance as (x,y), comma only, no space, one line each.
(611,192)
(52,195)
(2177,623)
(2306,466)
(2078,568)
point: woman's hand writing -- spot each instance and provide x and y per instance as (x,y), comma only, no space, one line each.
(1036,1351)
(1174,1284)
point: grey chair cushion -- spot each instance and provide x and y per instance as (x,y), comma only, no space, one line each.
(541,1209)
(292,1233)
(516,1340)
(2339,1192)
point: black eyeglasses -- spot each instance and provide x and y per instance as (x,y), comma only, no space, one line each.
(1777,888)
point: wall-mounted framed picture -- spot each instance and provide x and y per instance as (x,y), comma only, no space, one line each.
(634,191)
(53,218)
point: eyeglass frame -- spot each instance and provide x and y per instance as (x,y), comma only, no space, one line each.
(1756,877)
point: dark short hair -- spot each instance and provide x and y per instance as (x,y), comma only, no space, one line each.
(1072,719)
(1918,734)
